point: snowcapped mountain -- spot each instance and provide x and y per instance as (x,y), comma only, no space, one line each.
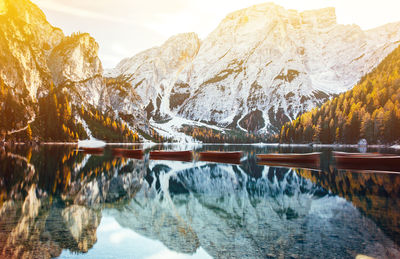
(261,67)
(258,69)
(154,73)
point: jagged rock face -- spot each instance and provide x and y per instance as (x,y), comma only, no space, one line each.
(33,54)
(261,59)
(120,97)
(75,63)
(26,38)
(25,41)
(154,72)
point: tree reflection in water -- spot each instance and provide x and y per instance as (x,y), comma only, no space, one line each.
(52,199)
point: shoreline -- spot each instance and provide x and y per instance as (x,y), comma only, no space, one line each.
(208,144)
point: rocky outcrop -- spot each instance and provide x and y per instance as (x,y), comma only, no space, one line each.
(74,63)
(34,55)
(154,72)
(26,40)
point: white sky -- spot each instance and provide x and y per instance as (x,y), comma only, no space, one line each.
(125,27)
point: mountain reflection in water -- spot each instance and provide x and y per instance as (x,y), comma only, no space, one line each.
(52,199)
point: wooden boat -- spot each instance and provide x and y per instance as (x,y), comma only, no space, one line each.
(129,153)
(92,150)
(184,156)
(291,157)
(368,162)
(220,155)
(339,153)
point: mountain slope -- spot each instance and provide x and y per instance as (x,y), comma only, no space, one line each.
(261,67)
(371,110)
(74,63)
(50,81)
(154,72)
(25,41)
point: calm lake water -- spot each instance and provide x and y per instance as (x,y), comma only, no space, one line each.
(58,202)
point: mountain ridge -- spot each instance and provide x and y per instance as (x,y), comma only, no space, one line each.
(262,60)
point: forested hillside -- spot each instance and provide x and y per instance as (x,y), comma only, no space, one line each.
(58,119)
(371,110)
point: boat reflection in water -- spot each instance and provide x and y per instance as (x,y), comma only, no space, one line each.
(55,199)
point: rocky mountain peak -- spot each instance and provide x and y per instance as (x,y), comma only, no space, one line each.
(182,46)
(25,40)
(325,17)
(34,54)
(182,38)
(270,14)
(23,10)
(262,64)
(75,62)
(177,49)
(266,9)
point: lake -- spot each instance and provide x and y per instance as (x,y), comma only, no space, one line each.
(58,202)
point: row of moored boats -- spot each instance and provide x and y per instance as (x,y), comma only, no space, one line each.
(184,156)
(343,160)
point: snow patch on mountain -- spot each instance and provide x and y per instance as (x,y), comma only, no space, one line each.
(171,129)
(84,125)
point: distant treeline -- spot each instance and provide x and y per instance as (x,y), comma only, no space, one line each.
(371,110)
(105,127)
